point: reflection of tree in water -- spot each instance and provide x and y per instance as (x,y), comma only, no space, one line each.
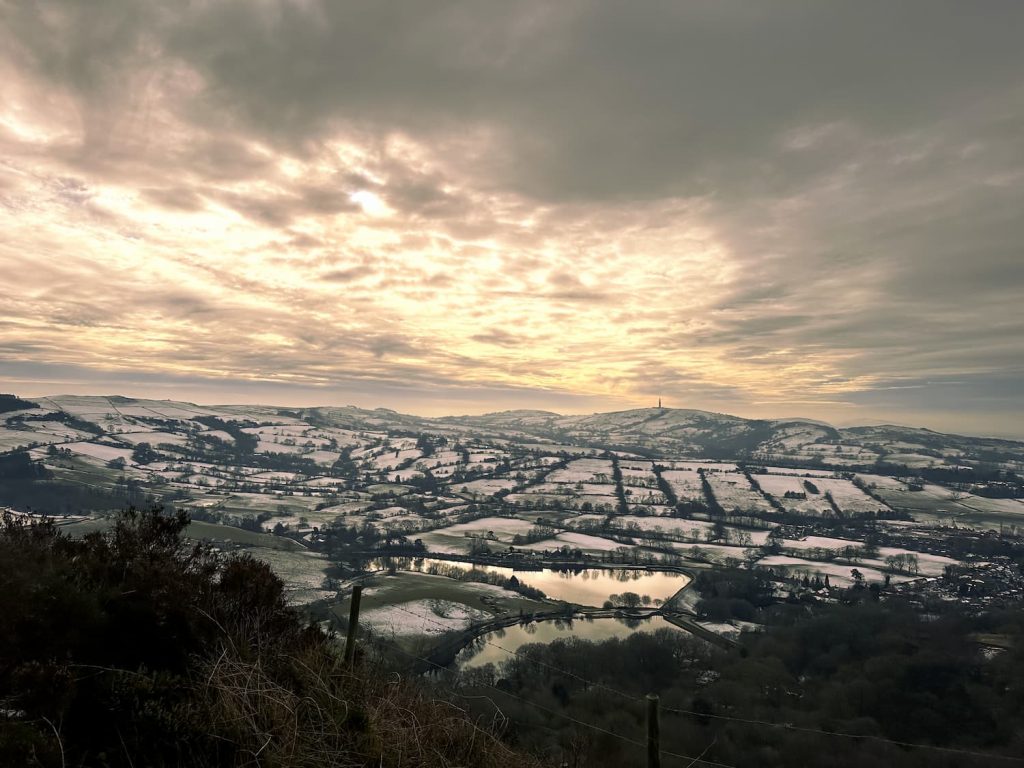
(516,643)
(474,647)
(415,564)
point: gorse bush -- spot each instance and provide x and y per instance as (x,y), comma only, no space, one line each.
(134,648)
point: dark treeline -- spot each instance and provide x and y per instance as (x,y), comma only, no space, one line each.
(244,443)
(28,485)
(950,475)
(867,669)
(9,403)
(61,417)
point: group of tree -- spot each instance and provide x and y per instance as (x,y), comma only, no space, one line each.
(869,670)
(10,403)
(27,485)
(629,600)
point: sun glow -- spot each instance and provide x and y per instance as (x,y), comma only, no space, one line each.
(371,203)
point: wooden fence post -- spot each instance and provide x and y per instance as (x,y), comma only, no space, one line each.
(653,733)
(353,624)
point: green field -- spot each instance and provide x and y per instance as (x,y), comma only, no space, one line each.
(203,531)
(88,526)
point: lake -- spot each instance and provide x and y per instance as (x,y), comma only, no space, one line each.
(513,638)
(588,586)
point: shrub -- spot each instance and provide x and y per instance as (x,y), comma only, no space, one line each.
(135,648)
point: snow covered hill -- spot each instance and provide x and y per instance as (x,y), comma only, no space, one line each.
(654,432)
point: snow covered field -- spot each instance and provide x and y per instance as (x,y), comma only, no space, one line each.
(583,471)
(487,486)
(821,542)
(421,617)
(102,453)
(710,466)
(439,459)
(153,438)
(635,495)
(325,458)
(715,552)
(848,497)
(685,484)
(1011,507)
(582,541)
(798,472)
(303,573)
(457,539)
(638,473)
(778,485)
(733,492)
(395,458)
(838,573)
(928,564)
(15,438)
(882,481)
(684,529)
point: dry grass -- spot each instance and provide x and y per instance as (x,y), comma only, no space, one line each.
(130,649)
(311,711)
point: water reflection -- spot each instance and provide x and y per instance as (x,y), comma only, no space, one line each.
(485,649)
(580,585)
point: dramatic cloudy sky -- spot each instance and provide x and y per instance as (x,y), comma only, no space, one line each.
(768,208)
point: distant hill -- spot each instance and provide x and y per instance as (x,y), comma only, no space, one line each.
(653,432)
(665,431)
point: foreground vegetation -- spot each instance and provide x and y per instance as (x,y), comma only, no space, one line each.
(879,672)
(131,648)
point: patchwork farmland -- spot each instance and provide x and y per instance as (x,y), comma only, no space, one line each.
(332,497)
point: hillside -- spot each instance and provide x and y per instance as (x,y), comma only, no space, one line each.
(653,432)
(667,431)
(135,648)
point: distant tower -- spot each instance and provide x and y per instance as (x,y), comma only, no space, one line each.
(659,405)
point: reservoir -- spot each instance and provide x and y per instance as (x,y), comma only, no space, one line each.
(584,586)
(495,647)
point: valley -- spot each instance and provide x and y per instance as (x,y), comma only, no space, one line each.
(590,525)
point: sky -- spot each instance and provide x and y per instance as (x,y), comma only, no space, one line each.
(771,209)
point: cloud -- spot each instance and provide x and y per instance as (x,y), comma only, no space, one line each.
(497,337)
(345,275)
(744,206)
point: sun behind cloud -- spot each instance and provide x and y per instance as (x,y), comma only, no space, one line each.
(504,207)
